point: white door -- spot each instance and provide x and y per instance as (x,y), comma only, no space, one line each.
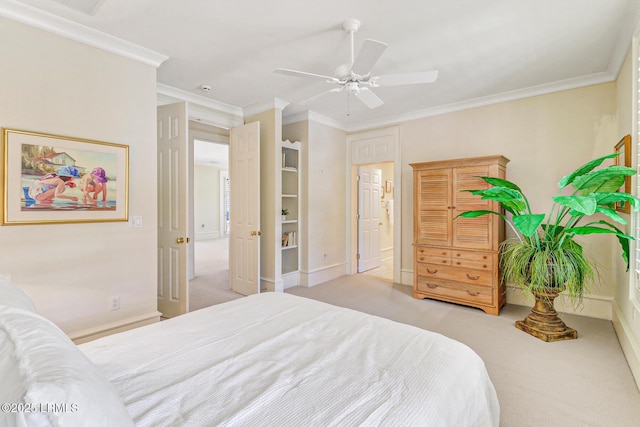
(173,191)
(369,199)
(244,236)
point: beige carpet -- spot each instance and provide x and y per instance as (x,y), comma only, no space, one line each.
(583,382)
(211,282)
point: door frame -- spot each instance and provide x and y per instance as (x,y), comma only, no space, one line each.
(202,132)
(376,146)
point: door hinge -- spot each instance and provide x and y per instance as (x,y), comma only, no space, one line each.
(357,256)
(357,177)
(358,216)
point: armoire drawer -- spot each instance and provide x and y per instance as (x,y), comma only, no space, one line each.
(458,291)
(473,264)
(444,272)
(472,255)
(433,255)
(430,251)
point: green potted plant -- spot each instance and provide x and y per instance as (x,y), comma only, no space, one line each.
(285,212)
(544,258)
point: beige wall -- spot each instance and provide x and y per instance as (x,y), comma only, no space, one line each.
(546,137)
(323,204)
(626,318)
(55,85)
(206,202)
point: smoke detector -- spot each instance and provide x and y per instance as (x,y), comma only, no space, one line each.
(206,88)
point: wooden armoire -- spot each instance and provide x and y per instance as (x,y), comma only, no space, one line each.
(456,260)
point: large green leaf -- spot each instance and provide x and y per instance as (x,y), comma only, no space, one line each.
(528,223)
(611,198)
(588,229)
(581,204)
(611,214)
(516,207)
(623,239)
(586,168)
(480,212)
(499,182)
(497,194)
(605,180)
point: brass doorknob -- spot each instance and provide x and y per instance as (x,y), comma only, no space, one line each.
(256,233)
(181,240)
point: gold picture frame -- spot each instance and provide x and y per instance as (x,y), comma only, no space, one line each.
(50,179)
(624,159)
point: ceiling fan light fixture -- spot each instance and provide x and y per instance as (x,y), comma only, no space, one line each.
(355,77)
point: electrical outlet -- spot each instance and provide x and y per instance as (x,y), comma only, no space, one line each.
(114,303)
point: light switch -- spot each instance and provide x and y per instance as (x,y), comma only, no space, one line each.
(135,222)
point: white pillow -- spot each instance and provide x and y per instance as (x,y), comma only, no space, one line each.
(14,296)
(56,384)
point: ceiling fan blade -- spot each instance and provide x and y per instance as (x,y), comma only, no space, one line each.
(308,100)
(305,74)
(369,98)
(368,56)
(405,78)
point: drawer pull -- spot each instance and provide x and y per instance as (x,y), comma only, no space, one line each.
(431,286)
(484,266)
(473,294)
(421,258)
(473,277)
(458,263)
(432,272)
(444,253)
(444,261)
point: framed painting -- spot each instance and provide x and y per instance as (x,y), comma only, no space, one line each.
(624,159)
(58,179)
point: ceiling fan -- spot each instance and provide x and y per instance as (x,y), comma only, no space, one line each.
(356,78)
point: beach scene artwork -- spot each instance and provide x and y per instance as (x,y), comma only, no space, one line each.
(51,179)
(63,178)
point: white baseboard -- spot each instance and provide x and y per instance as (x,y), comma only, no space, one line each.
(628,342)
(406,277)
(289,280)
(111,328)
(321,275)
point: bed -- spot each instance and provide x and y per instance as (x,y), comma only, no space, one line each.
(270,359)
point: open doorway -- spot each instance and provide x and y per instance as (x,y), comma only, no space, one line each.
(210,202)
(375,213)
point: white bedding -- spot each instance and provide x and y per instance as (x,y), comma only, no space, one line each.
(275,359)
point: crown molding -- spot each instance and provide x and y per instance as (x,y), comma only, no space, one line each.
(252,110)
(313,117)
(40,19)
(202,109)
(562,85)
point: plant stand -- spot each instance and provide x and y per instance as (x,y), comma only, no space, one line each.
(543,322)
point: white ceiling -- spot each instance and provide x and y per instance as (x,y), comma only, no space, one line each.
(485,50)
